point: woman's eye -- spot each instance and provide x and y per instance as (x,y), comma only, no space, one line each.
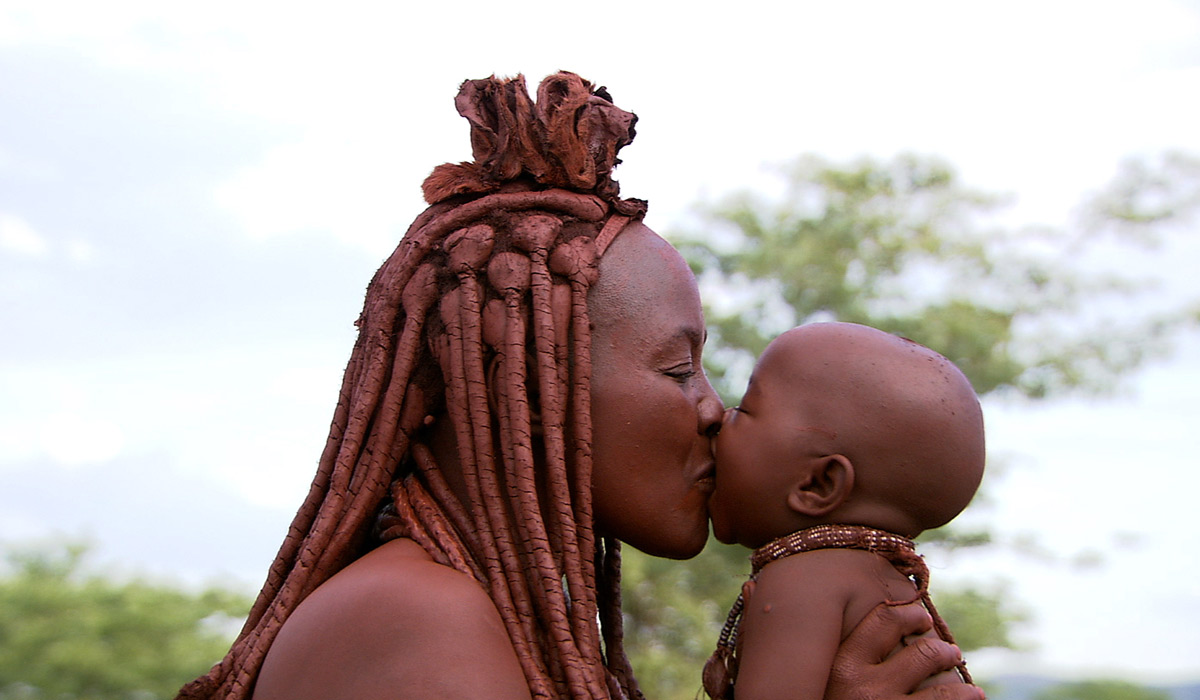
(680,372)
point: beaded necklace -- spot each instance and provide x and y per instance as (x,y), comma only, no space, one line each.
(898,550)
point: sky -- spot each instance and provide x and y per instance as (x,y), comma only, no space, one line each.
(193,198)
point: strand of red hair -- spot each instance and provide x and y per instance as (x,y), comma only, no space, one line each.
(479,284)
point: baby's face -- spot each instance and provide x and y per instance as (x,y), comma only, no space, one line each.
(760,440)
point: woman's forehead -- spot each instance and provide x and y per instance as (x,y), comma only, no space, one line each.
(642,275)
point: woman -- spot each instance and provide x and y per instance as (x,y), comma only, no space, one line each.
(526,391)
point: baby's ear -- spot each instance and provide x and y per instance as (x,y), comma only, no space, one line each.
(825,485)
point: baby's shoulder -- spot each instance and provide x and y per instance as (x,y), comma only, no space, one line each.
(850,565)
(856,577)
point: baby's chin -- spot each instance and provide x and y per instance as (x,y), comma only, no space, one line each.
(720,524)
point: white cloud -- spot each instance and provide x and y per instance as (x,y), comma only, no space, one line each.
(1040,99)
(73,439)
(58,415)
(17,236)
(326,183)
(80,251)
(271,469)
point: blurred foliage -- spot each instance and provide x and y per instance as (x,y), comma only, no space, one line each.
(673,613)
(978,617)
(70,635)
(1101,690)
(902,245)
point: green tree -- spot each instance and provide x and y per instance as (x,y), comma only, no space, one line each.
(902,245)
(1101,690)
(67,634)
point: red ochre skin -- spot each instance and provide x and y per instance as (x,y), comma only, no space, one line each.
(394,623)
(395,619)
(843,424)
(654,414)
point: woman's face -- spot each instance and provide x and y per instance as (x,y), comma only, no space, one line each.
(654,414)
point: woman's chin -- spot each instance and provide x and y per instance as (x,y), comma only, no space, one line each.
(679,548)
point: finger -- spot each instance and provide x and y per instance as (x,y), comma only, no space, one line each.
(954,691)
(882,630)
(920,660)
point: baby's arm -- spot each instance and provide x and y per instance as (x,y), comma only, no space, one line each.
(797,617)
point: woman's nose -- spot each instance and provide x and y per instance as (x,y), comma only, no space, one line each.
(711,412)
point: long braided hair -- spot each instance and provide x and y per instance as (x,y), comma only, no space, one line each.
(488,288)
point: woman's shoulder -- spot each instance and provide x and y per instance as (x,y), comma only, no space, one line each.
(402,578)
(393,623)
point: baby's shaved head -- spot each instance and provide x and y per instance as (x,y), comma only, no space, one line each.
(906,417)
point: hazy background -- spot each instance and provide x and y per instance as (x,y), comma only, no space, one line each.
(193,200)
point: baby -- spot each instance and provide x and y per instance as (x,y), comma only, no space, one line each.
(848,443)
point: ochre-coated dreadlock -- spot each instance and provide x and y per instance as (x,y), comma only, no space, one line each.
(489,285)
